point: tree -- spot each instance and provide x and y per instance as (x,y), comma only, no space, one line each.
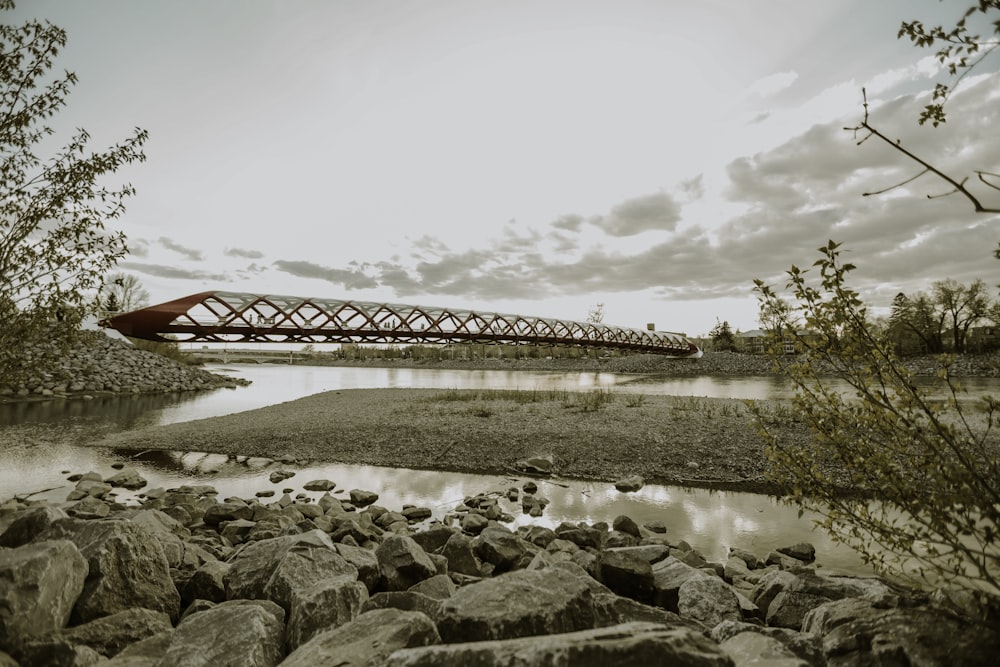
(54,245)
(917,324)
(773,317)
(934,468)
(722,336)
(963,306)
(596,314)
(124,291)
(960,51)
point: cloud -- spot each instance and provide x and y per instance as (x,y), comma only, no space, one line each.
(348,278)
(173,272)
(773,83)
(650,212)
(138,247)
(245,254)
(190,253)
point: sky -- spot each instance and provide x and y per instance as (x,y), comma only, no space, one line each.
(535,157)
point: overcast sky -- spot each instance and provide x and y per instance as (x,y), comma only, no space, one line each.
(532,157)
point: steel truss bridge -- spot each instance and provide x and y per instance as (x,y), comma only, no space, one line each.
(228,317)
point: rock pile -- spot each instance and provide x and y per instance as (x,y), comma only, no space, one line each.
(186,579)
(98,363)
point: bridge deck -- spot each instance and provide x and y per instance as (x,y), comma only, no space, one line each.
(225,317)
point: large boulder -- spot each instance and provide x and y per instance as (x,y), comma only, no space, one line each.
(367,641)
(327,603)
(858,632)
(627,573)
(127,568)
(751,649)
(108,635)
(238,633)
(629,645)
(403,563)
(499,546)
(274,568)
(29,523)
(39,584)
(522,603)
(144,653)
(709,600)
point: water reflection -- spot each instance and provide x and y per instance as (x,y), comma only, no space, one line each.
(710,521)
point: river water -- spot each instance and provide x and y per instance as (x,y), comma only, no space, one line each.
(711,521)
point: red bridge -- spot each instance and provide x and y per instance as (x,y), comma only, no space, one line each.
(227,317)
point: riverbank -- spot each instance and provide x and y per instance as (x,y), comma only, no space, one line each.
(600,436)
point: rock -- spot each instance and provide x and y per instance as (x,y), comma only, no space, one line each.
(517,604)
(108,635)
(364,561)
(238,633)
(227,511)
(473,523)
(144,653)
(709,600)
(625,524)
(668,577)
(788,608)
(360,498)
(319,485)
(39,584)
(540,536)
(403,563)
(433,538)
(326,604)
(626,573)
(807,647)
(367,641)
(628,644)
(279,476)
(539,465)
(415,514)
(255,565)
(630,483)
(802,551)
(301,568)
(856,632)
(89,508)
(128,478)
(746,556)
(126,568)
(500,547)
(207,583)
(438,587)
(30,523)
(750,649)
(461,557)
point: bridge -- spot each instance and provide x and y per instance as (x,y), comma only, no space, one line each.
(231,317)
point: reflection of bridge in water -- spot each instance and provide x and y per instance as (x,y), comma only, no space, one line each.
(227,317)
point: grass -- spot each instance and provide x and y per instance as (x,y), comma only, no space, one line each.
(590,401)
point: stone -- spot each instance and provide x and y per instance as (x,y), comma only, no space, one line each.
(461,557)
(143,653)
(279,476)
(252,568)
(328,603)
(668,577)
(802,551)
(237,633)
(39,584)
(521,603)
(403,563)
(433,538)
(29,523)
(807,647)
(637,644)
(709,600)
(364,561)
(319,485)
(500,547)
(473,523)
(626,573)
(416,514)
(108,635)
(301,568)
(367,641)
(750,649)
(788,608)
(857,632)
(227,511)
(361,498)
(630,484)
(626,524)
(539,465)
(540,536)
(747,557)
(129,478)
(439,587)
(89,508)
(126,568)
(207,583)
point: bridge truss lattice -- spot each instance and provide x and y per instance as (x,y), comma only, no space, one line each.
(230,317)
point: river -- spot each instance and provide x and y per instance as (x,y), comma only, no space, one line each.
(711,521)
